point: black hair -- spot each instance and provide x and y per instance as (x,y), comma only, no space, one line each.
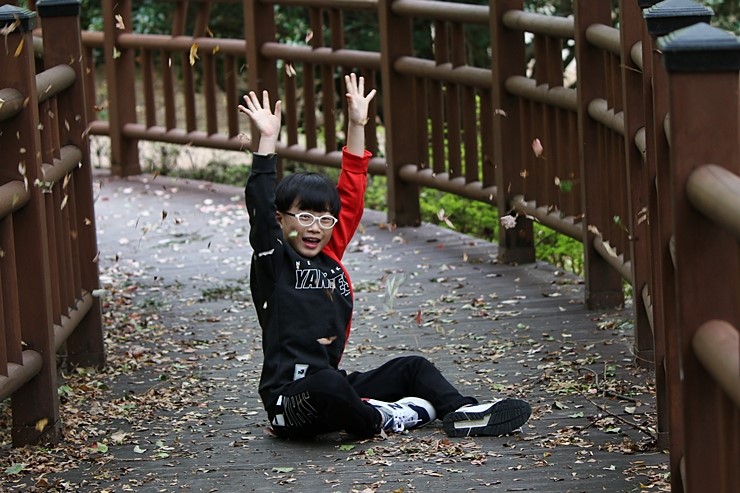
(311,191)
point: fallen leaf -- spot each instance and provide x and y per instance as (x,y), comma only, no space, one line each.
(193,53)
(41,424)
(508,221)
(19,49)
(537,147)
(15,469)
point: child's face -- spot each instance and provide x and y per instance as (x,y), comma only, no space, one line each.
(307,235)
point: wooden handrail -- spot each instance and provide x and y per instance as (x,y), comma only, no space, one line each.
(551,218)
(306,54)
(715,192)
(69,160)
(442,181)
(13,196)
(328,4)
(11,103)
(53,81)
(428,69)
(70,322)
(600,111)
(636,55)
(558,97)
(180,43)
(49,83)
(444,11)
(558,27)
(604,37)
(614,258)
(717,345)
(19,374)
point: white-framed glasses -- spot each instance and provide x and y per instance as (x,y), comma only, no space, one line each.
(306,219)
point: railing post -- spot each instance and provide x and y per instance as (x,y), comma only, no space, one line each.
(62,45)
(660,19)
(603,283)
(516,245)
(401,138)
(119,74)
(703,64)
(631,31)
(259,28)
(36,404)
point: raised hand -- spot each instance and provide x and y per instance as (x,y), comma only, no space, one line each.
(357,108)
(267,122)
(357,102)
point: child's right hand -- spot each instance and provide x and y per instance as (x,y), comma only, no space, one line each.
(267,122)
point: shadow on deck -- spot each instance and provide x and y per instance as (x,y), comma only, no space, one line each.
(177,407)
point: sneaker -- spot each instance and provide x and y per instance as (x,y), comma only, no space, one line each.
(492,419)
(405,414)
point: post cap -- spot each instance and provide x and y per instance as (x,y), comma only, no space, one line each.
(58,8)
(667,16)
(10,15)
(700,48)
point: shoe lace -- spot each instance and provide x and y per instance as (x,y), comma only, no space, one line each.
(401,418)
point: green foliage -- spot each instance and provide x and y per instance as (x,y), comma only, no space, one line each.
(215,171)
(481,220)
(292,25)
(726,14)
(557,249)
(468,216)
(218,172)
(375,196)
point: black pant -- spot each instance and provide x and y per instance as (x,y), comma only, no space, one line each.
(330,400)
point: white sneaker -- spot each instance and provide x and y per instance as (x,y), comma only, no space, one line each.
(405,414)
(491,419)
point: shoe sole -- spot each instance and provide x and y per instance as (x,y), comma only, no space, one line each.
(501,418)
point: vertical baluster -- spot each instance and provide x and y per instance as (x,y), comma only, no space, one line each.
(603,283)
(259,27)
(507,45)
(119,69)
(401,143)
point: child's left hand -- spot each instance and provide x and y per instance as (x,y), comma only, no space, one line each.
(357,103)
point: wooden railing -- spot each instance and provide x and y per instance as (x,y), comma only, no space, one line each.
(620,160)
(48,248)
(704,179)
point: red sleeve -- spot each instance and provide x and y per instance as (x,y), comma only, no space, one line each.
(351,186)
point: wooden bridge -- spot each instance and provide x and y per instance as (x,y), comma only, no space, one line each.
(639,160)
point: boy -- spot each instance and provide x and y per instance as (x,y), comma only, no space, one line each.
(299,231)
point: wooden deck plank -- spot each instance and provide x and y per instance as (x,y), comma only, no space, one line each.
(181,412)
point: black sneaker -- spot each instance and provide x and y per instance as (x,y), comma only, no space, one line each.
(405,414)
(491,419)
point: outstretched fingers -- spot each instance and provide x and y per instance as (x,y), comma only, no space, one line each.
(268,122)
(253,106)
(358,101)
